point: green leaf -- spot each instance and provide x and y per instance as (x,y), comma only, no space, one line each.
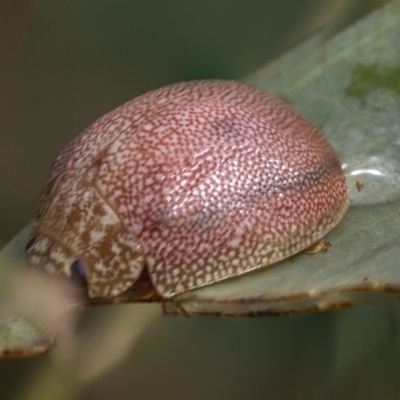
(20,334)
(23,336)
(30,305)
(350,87)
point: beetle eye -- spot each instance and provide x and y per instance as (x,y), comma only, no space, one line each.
(78,275)
(30,243)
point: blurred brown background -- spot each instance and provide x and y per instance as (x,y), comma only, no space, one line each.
(66,63)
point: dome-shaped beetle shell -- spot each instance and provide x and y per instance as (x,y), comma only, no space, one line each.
(197,181)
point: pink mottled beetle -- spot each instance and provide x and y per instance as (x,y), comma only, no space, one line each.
(190,184)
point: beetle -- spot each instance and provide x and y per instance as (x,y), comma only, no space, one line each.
(191,184)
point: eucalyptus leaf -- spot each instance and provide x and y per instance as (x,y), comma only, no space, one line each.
(23,336)
(20,334)
(32,309)
(350,87)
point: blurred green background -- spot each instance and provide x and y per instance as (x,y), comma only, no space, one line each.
(66,63)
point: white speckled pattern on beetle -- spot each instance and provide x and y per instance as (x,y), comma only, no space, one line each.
(197,181)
